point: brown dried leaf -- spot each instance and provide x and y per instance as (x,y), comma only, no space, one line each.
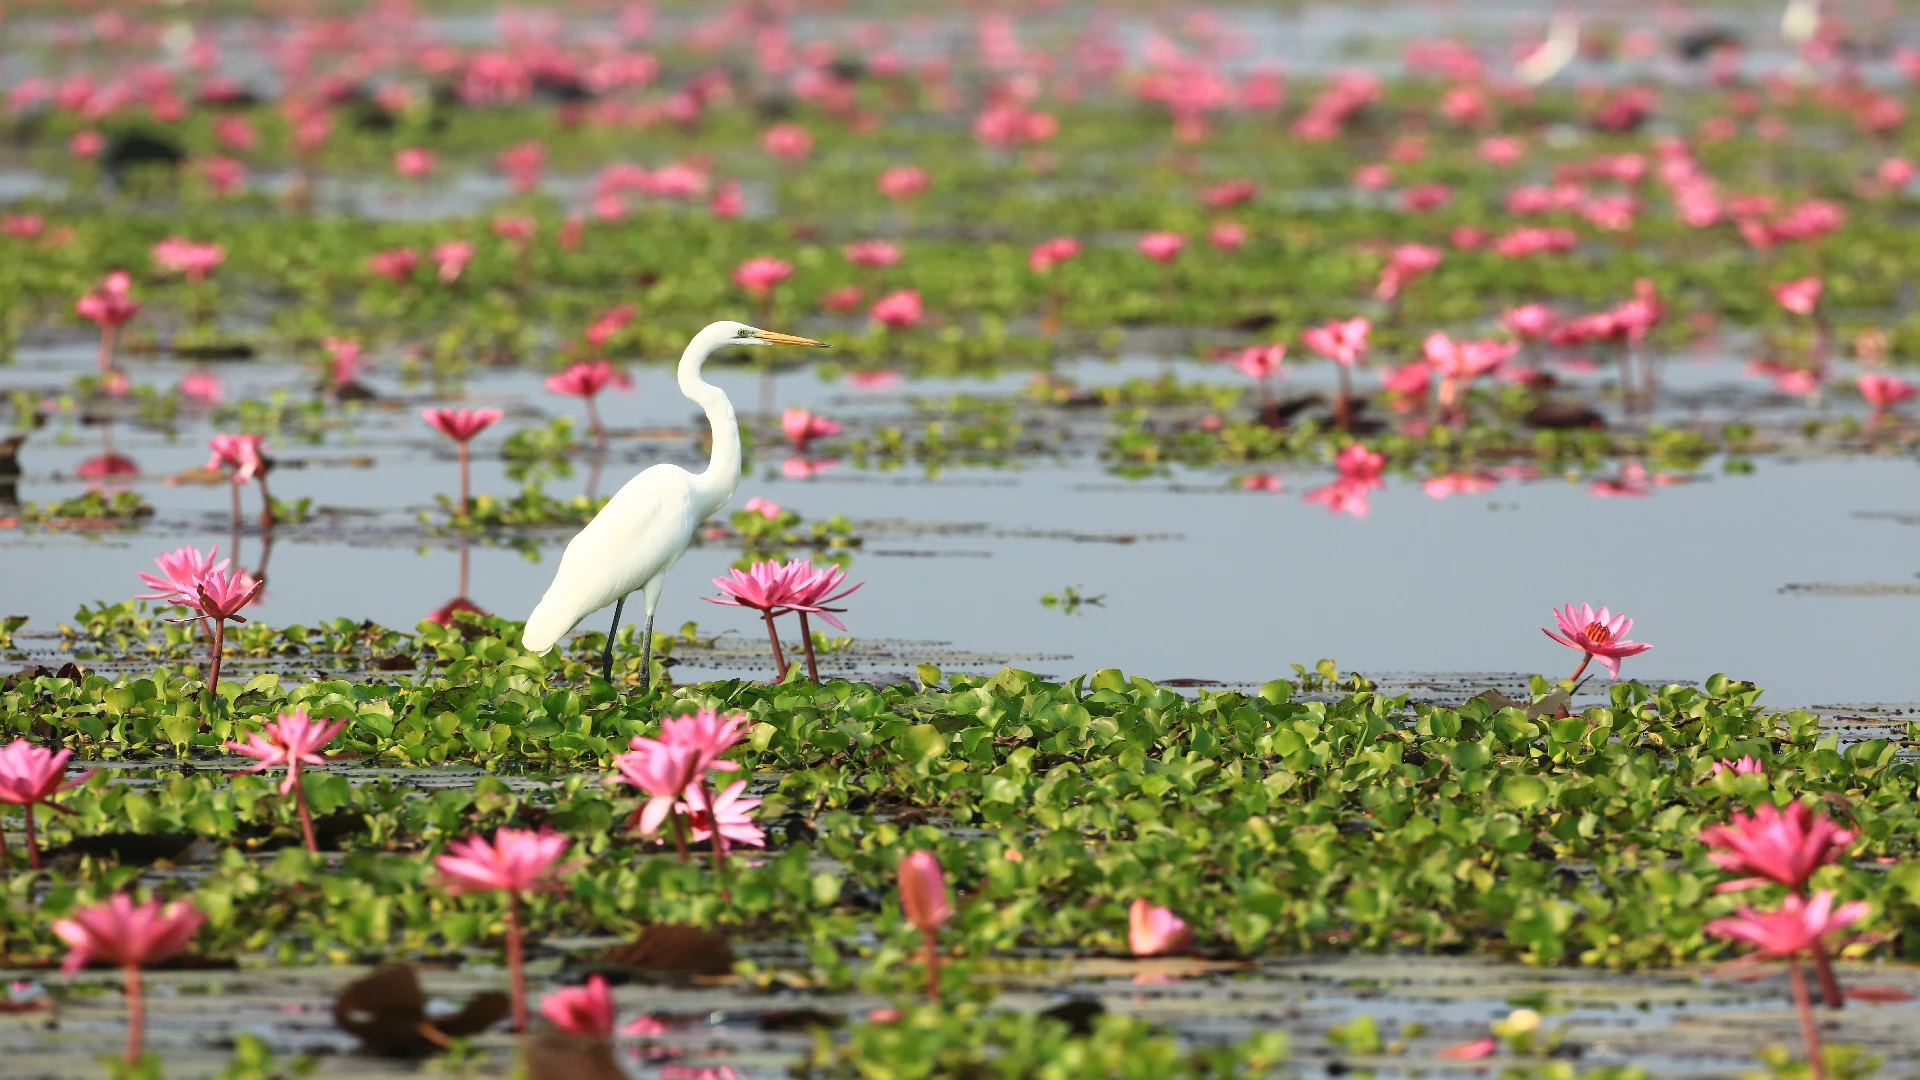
(555,1055)
(387,1012)
(676,948)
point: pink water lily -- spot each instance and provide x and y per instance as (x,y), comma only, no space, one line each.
(802,426)
(292,739)
(898,310)
(515,861)
(923,900)
(180,572)
(109,305)
(584,1011)
(461,425)
(731,811)
(131,936)
(32,775)
(1156,931)
(585,379)
(1601,635)
(1799,296)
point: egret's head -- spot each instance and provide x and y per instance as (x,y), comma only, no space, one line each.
(742,334)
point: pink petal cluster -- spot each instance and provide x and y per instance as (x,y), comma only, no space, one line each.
(461,425)
(583,1011)
(1260,362)
(180,572)
(1799,296)
(111,302)
(1156,931)
(898,310)
(1774,845)
(515,860)
(1048,254)
(901,182)
(586,378)
(802,426)
(1345,342)
(292,739)
(177,254)
(872,254)
(759,275)
(1162,247)
(126,934)
(1794,928)
(1883,392)
(1601,635)
(32,774)
(923,891)
(243,454)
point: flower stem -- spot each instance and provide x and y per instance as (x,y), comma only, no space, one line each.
(33,845)
(1585,659)
(219,647)
(463,487)
(107,334)
(1342,406)
(300,801)
(593,421)
(779,658)
(1809,1032)
(235,488)
(714,840)
(266,501)
(136,1018)
(1823,971)
(516,966)
(930,957)
(6,857)
(806,638)
(680,835)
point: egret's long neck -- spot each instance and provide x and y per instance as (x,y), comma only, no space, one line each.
(717,484)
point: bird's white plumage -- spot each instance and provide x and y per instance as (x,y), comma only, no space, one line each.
(647,525)
(637,536)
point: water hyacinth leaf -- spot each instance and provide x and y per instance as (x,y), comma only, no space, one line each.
(1524,791)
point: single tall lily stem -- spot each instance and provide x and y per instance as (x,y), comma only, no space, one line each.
(516,965)
(680,835)
(465,467)
(1585,659)
(806,638)
(1809,1031)
(107,334)
(779,658)
(219,647)
(593,422)
(1830,991)
(33,843)
(930,958)
(136,1017)
(714,838)
(306,816)
(1342,408)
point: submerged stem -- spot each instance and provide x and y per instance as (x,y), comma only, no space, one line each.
(516,966)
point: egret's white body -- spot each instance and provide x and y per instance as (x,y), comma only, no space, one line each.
(1555,53)
(1800,21)
(645,528)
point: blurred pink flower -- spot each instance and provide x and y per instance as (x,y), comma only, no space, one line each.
(1156,931)
(901,182)
(413,163)
(1162,247)
(759,275)
(788,142)
(897,310)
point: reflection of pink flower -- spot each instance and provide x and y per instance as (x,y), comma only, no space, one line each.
(1458,483)
(1469,1051)
(1343,496)
(799,468)
(884,379)
(1262,482)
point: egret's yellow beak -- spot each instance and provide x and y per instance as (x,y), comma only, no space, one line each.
(774,338)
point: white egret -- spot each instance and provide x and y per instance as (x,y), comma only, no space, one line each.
(1554,54)
(645,528)
(1800,22)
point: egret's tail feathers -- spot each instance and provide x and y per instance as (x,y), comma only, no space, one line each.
(547,625)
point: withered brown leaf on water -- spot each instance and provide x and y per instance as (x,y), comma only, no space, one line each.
(555,1055)
(676,948)
(387,1012)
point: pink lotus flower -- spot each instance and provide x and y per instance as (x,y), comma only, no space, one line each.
(131,936)
(240,453)
(766,508)
(1272,482)
(1501,149)
(396,265)
(664,773)
(1883,392)
(521,162)
(733,813)
(585,1012)
(517,229)
(802,426)
(1345,342)
(843,299)
(810,589)
(1746,766)
(1048,254)
(1260,362)
(516,861)
(1227,236)
(1408,380)
(898,310)
(759,275)
(413,163)
(788,142)
(1529,321)
(235,134)
(923,900)
(86,145)
(107,466)
(293,739)
(180,572)
(1796,927)
(1408,261)
(1373,177)
(1156,931)
(1771,845)
(1228,194)
(902,182)
(451,259)
(728,200)
(179,255)
(1425,198)
(461,425)
(224,175)
(585,379)
(1162,247)
(203,387)
(872,254)
(343,360)
(1466,360)
(109,306)
(610,322)
(1602,635)
(1895,173)
(1799,296)
(22,226)
(32,775)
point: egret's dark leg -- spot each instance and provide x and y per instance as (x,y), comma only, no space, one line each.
(646,654)
(606,661)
